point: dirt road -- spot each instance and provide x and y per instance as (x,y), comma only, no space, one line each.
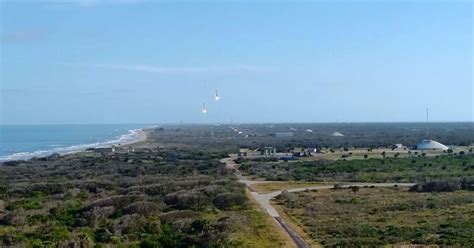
(264,199)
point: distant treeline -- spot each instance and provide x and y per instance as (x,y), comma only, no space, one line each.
(416,169)
(317,135)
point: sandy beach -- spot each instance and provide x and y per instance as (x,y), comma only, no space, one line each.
(139,136)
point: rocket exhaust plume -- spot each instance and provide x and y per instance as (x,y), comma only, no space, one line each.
(204,109)
(217,96)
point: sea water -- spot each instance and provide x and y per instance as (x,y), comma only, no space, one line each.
(28,141)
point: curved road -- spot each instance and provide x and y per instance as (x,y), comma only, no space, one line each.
(264,199)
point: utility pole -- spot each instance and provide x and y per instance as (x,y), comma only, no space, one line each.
(427,128)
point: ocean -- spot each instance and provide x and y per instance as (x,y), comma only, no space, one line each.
(28,141)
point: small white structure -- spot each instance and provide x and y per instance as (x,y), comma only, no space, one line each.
(337,134)
(429,144)
(268,151)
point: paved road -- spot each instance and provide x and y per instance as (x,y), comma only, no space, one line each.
(264,199)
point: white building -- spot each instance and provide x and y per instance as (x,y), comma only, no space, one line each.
(337,134)
(429,144)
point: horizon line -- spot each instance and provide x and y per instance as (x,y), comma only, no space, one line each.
(231,123)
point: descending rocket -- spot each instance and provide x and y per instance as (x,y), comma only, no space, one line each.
(217,96)
(204,109)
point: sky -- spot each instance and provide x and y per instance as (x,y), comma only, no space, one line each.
(132,61)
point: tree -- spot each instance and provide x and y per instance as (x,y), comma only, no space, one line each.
(3,190)
(355,189)
(366,156)
(337,186)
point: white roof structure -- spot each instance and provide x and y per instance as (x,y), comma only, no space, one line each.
(428,144)
(337,134)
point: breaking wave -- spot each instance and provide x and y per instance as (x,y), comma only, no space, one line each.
(129,137)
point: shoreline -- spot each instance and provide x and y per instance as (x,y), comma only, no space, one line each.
(131,137)
(141,135)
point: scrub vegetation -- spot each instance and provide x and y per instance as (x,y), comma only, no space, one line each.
(172,191)
(153,196)
(376,217)
(415,169)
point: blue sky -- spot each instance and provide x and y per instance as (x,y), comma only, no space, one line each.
(99,61)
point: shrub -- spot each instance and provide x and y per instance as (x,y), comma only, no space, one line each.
(93,186)
(186,200)
(97,214)
(172,216)
(337,186)
(437,186)
(142,208)
(68,213)
(47,188)
(135,224)
(355,189)
(229,200)
(3,189)
(15,218)
(467,183)
(118,201)
(33,202)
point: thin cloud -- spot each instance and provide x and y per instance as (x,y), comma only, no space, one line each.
(181,70)
(61,91)
(89,3)
(13,91)
(24,35)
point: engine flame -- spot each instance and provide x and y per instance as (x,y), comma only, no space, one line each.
(217,96)
(204,109)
